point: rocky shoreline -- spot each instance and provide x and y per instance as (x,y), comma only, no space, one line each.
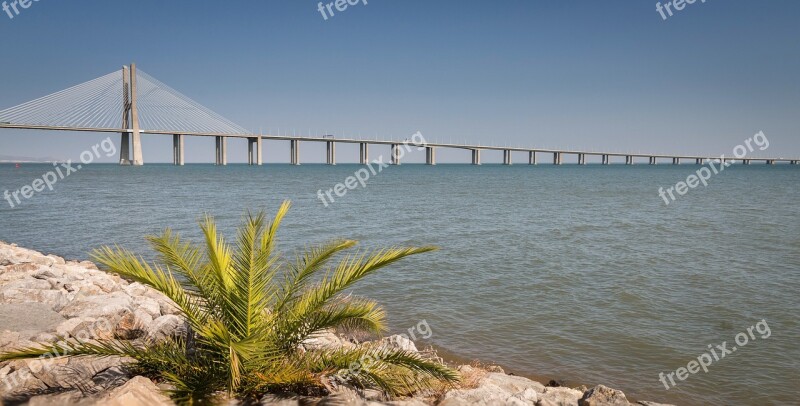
(44,297)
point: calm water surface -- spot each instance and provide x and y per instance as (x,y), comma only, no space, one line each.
(575,273)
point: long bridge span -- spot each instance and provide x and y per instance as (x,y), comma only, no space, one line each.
(133,103)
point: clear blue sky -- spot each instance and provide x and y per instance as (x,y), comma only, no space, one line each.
(583,74)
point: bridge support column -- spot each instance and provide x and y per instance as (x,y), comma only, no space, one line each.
(395,154)
(131,141)
(476,157)
(294,159)
(652,160)
(556,158)
(177,149)
(363,153)
(770,162)
(254,156)
(331,149)
(793,163)
(604,159)
(532,158)
(125,149)
(222,150)
(430,155)
(259,151)
(628,160)
(676,161)
(506,157)
(745,162)
(581,159)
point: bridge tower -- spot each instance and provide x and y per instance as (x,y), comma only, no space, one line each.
(132,139)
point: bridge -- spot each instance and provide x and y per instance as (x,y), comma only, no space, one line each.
(133,103)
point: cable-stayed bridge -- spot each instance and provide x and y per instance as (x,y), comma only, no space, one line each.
(132,103)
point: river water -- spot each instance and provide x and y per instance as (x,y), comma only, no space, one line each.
(581,274)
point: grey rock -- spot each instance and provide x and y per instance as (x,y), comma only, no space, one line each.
(139,391)
(273,400)
(324,340)
(149,305)
(113,305)
(29,318)
(602,395)
(398,342)
(166,326)
(512,384)
(58,399)
(559,397)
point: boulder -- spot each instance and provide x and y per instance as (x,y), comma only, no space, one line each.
(512,384)
(559,397)
(602,395)
(324,340)
(139,391)
(112,306)
(487,394)
(166,326)
(59,399)
(149,305)
(131,327)
(398,342)
(29,318)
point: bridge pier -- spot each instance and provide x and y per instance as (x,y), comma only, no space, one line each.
(745,162)
(430,155)
(363,157)
(331,149)
(222,150)
(556,158)
(532,158)
(395,154)
(254,156)
(676,161)
(793,162)
(131,142)
(628,160)
(294,151)
(476,157)
(581,159)
(177,149)
(604,160)
(653,160)
(770,162)
(506,157)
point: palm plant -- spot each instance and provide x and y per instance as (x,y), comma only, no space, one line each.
(249,310)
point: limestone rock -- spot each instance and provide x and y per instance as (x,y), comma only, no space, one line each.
(603,396)
(398,342)
(513,384)
(139,391)
(149,305)
(28,318)
(113,305)
(324,340)
(559,397)
(57,399)
(166,326)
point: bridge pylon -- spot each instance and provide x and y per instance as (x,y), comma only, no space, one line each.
(131,140)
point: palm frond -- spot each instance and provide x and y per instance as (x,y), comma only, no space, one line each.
(350,270)
(127,265)
(306,266)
